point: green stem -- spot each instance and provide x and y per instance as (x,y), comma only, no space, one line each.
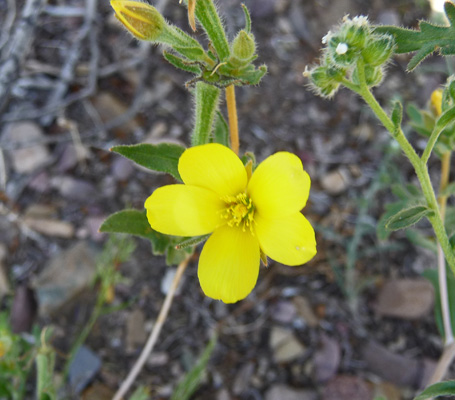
(442,122)
(420,167)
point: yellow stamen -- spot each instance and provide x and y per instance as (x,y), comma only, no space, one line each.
(239,211)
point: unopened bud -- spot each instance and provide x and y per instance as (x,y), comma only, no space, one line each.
(341,53)
(356,31)
(378,50)
(243,48)
(436,102)
(142,20)
(373,76)
(324,80)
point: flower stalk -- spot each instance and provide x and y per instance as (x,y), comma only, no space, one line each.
(233,120)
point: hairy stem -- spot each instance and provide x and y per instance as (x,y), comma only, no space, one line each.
(126,384)
(233,120)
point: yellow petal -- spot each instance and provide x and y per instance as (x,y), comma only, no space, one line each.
(229,264)
(215,167)
(279,186)
(184,210)
(289,240)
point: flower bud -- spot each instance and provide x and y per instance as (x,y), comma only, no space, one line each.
(356,31)
(373,76)
(341,52)
(142,20)
(243,48)
(323,80)
(378,50)
(436,102)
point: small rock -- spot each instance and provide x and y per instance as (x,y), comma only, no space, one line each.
(285,346)
(23,310)
(74,189)
(50,227)
(281,392)
(344,387)
(71,156)
(242,379)
(326,359)
(93,225)
(405,298)
(135,331)
(335,182)
(158,359)
(305,311)
(66,275)
(83,369)
(98,391)
(121,168)
(32,156)
(223,394)
(41,182)
(395,368)
(283,312)
(166,282)
(110,107)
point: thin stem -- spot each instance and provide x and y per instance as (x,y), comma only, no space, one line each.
(442,272)
(443,364)
(126,384)
(419,166)
(233,120)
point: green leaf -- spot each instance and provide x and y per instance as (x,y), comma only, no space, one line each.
(191,241)
(391,209)
(449,190)
(135,223)
(180,63)
(446,388)
(163,157)
(397,114)
(432,276)
(429,39)
(407,217)
(207,99)
(141,393)
(221,131)
(207,15)
(192,379)
(182,43)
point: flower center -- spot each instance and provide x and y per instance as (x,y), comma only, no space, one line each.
(239,211)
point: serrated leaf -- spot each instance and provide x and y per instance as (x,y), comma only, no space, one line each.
(182,64)
(407,217)
(425,41)
(134,222)
(163,157)
(221,130)
(446,388)
(432,276)
(192,379)
(397,114)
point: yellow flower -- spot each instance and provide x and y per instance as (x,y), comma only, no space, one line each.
(245,215)
(436,102)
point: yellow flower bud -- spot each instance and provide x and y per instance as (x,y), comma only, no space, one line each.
(142,20)
(436,102)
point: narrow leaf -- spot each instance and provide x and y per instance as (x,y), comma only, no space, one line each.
(247,18)
(221,131)
(191,242)
(446,388)
(449,9)
(207,15)
(134,222)
(397,114)
(408,217)
(163,157)
(207,98)
(180,63)
(141,393)
(418,57)
(192,379)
